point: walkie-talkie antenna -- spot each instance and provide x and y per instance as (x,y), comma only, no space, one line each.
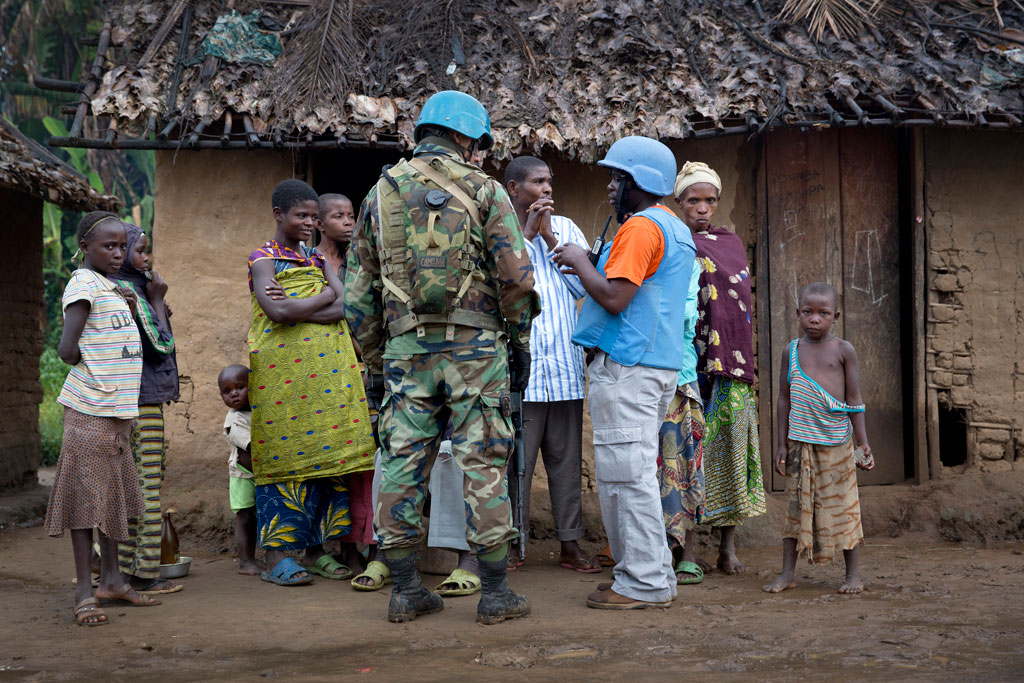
(595,251)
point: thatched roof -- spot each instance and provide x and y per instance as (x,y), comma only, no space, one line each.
(27,166)
(572,75)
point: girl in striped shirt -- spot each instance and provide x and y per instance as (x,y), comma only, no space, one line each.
(96,485)
(820,415)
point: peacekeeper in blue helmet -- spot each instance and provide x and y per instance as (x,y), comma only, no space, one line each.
(439,291)
(633,317)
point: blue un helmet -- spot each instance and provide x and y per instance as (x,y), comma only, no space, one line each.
(460,112)
(650,164)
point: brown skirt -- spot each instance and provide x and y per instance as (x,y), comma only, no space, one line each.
(96,485)
(823,514)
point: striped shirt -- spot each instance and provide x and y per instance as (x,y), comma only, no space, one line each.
(556,364)
(815,416)
(105,382)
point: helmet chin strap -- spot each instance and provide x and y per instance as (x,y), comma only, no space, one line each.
(468,151)
(621,212)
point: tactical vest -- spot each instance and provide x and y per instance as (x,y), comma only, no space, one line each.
(428,258)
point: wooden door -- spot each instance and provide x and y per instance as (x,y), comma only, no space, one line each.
(832,215)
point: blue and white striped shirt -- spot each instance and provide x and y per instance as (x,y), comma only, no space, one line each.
(556,372)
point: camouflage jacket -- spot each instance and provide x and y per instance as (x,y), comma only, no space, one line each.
(506,268)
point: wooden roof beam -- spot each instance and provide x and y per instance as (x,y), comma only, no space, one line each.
(92,82)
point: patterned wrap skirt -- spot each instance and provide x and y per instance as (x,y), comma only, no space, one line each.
(96,484)
(734,489)
(295,515)
(680,466)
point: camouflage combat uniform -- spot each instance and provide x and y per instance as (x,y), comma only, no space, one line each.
(436,371)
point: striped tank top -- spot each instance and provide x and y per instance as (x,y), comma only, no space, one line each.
(815,416)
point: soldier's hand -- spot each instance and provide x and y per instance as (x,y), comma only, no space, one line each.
(521,376)
(375,392)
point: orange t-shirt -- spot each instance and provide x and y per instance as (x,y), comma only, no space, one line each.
(636,250)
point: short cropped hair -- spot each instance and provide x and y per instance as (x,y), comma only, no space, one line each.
(327,198)
(520,167)
(820,288)
(290,192)
(231,371)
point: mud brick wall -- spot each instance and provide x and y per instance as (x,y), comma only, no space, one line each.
(21,337)
(212,211)
(975,279)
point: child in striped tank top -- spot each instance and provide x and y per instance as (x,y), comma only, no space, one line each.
(96,485)
(820,415)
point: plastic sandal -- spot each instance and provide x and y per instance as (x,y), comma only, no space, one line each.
(327,567)
(377,572)
(460,582)
(284,574)
(692,568)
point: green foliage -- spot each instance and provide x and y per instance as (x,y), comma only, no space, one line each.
(43,37)
(52,371)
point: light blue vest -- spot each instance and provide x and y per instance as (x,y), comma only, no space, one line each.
(649,331)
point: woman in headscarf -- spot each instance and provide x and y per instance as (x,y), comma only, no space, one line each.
(733,489)
(139,558)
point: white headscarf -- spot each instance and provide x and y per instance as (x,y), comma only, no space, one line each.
(694,172)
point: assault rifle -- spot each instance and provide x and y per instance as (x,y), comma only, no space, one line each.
(515,412)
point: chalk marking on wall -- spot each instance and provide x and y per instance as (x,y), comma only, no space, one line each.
(987,248)
(864,268)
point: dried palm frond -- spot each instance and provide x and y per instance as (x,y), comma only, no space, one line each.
(844,18)
(325,51)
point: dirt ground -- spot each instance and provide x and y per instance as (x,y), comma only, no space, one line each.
(932,611)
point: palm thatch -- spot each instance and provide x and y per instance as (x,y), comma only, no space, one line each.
(27,167)
(573,75)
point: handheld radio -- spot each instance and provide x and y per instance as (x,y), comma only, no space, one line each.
(595,250)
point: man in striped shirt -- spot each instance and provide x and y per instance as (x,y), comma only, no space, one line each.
(553,402)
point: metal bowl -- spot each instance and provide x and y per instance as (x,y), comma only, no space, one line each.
(176,570)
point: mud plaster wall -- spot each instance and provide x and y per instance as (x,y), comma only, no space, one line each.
(212,210)
(975,279)
(22,310)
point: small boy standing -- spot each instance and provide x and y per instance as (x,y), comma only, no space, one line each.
(233,382)
(820,415)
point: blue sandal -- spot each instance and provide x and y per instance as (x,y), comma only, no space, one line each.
(284,574)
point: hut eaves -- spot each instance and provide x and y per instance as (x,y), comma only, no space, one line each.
(556,74)
(28,167)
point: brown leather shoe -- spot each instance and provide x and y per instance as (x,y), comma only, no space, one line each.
(609,599)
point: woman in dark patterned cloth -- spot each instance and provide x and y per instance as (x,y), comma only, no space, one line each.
(139,556)
(732,462)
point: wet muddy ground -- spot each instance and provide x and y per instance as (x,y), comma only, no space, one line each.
(931,612)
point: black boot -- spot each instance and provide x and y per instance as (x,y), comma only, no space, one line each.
(497,601)
(409,599)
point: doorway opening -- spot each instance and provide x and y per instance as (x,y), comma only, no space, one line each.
(952,435)
(351,172)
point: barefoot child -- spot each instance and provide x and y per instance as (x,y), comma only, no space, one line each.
(96,485)
(233,382)
(820,414)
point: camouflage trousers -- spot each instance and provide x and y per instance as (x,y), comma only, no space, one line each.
(425,391)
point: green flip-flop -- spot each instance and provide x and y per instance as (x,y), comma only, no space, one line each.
(377,572)
(328,567)
(692,568)
(459,582)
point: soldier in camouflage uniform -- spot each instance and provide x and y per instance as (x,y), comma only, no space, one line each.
(439,284)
